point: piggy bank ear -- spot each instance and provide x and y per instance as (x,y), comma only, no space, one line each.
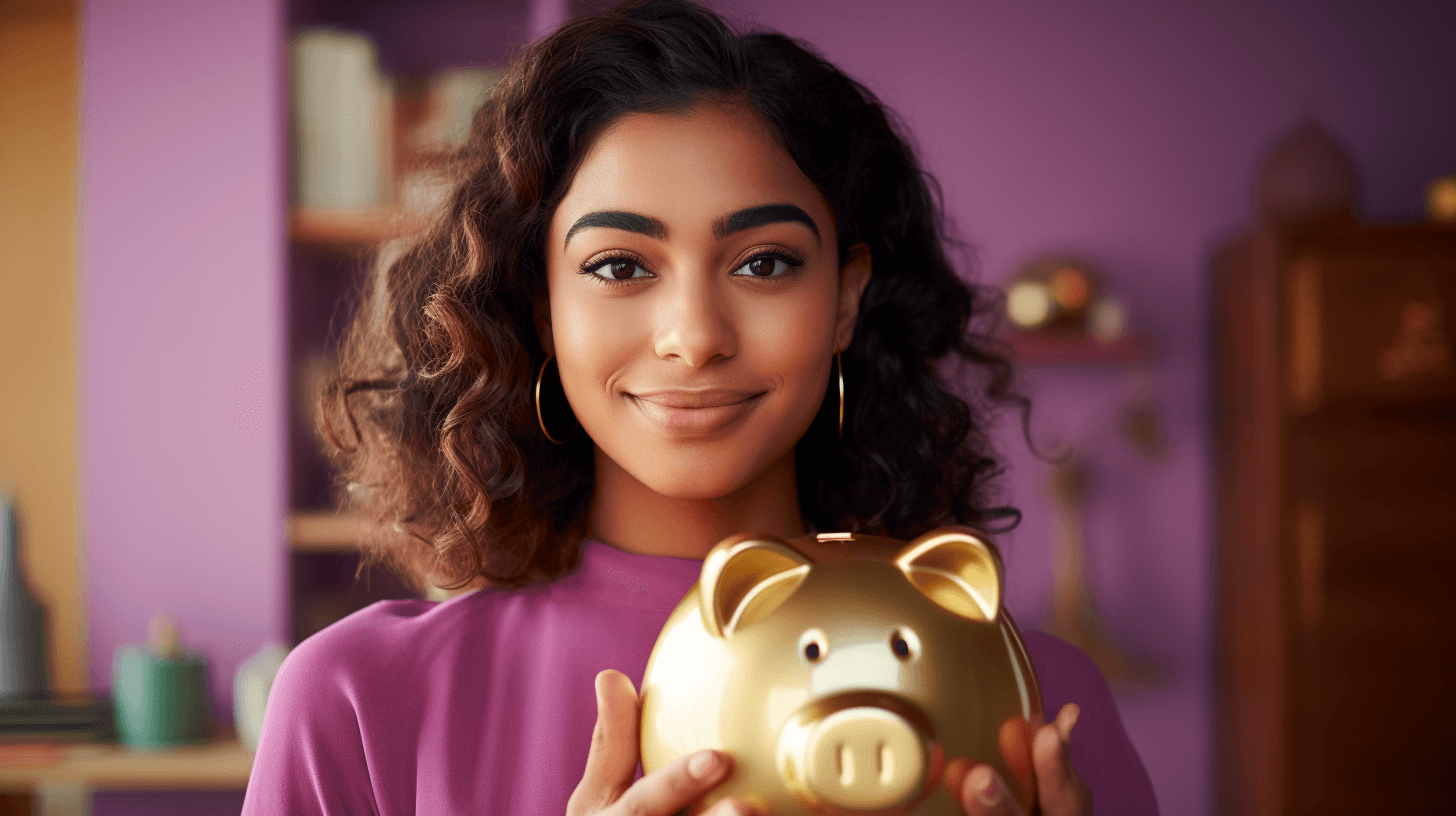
(957,570)
(745,578)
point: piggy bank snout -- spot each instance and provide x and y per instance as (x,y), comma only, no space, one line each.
(862,752)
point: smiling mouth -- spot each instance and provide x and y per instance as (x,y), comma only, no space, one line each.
(696,412)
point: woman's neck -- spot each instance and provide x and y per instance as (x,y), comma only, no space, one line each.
(631,516)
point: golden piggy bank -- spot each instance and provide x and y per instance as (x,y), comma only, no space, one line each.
(843,672)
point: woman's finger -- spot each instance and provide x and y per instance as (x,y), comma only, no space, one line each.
(612,760)
(1059,788)
(674,786)
(1066,719)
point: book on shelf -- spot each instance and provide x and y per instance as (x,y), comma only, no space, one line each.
(341,104)
(62,718)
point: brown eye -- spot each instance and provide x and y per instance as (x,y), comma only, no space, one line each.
(813,646)
(769,266)
(762,267)
(614,269)
(904,644)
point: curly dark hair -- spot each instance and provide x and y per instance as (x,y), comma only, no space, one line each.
(430,415)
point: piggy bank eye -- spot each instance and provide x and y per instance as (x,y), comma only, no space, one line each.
(813,645)
(904,643)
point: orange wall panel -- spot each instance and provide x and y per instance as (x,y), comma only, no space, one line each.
(38,456)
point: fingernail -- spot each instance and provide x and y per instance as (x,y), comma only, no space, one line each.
(741,808)
(988,790)
(702,763)
(1074,712)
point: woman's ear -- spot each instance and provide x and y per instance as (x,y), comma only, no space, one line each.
(853,276)
(541,312)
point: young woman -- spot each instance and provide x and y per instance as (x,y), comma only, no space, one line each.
(698,236)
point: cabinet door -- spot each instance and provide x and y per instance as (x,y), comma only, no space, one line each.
(1371,559)
(1365,326)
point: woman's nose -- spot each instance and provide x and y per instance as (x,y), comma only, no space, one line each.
(695,324)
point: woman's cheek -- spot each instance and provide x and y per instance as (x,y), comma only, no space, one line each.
(592,343)
(795,336)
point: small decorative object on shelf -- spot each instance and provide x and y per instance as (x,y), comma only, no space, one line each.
(1060,312)
(29,712)
(250,691)
(161,692)
(1441,199)
(1075,617)
(1307,177)
(23,659)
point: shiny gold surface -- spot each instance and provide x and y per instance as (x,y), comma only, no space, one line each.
(843,673)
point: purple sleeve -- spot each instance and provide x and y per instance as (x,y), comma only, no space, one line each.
(310,757)
(1102,754)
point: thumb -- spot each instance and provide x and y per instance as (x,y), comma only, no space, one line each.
(612,762)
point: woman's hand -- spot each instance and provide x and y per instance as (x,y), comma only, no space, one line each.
(1059,790)
(607,787)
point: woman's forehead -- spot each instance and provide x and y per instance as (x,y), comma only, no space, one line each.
(690,167)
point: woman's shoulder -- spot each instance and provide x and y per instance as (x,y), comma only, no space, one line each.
(370,638)
(312,754)
(1102,752)
(326,671)
(1066,674)
(361,636)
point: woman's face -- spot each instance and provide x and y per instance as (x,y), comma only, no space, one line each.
(696,301)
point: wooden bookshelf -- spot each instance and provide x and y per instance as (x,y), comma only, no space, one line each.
(221,764)
(324,531)
(349,229)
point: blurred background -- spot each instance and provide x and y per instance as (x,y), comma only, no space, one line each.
(1224,227)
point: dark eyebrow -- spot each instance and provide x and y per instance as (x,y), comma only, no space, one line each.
(744,219)
(616,219)
(760,216)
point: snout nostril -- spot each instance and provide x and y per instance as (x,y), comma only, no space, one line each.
(886,761)
(846,765)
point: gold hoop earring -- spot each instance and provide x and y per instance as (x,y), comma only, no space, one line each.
(539,420)
(839,367)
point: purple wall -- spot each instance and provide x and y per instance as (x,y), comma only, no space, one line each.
(1127,131)
(182,366)
(1130,132)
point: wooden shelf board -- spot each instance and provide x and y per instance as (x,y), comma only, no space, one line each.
(349,228)
(222,764)
(1076,348)
(324,531)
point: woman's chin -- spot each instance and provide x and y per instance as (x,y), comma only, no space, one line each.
(694,484)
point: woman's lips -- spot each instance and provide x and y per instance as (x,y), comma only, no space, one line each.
(695,412)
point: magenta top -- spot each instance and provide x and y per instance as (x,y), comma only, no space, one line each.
(484,704)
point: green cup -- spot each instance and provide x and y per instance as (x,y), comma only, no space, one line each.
(160,701)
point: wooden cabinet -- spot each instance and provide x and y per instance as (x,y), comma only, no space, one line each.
(1336,512)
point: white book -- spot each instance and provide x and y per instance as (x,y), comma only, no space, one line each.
(340,111)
